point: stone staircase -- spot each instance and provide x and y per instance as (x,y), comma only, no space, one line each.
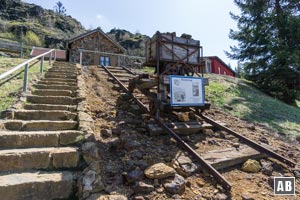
(38,152)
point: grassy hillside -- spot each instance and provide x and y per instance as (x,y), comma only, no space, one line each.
(10,90)
(240,99)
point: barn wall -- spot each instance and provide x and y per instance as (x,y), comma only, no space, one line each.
(216,64)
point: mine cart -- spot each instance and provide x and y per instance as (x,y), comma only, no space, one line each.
(178,83)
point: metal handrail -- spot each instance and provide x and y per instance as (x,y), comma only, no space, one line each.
(25,64)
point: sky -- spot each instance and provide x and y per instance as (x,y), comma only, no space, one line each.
(206,20)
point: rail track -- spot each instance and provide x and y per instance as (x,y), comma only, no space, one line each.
(122,74)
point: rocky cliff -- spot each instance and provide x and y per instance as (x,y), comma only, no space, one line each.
(45,27)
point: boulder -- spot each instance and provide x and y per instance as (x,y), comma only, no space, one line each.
(251,166)
(159,171)
(175,185)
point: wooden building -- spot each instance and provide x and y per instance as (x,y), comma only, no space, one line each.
(213,64)
(98,48)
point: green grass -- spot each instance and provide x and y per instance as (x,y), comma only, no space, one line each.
(149,70)
(252,105)
(9,91)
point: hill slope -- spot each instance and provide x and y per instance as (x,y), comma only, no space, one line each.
(244,101)
(37,25)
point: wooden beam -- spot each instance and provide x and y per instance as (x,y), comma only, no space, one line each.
(224,158)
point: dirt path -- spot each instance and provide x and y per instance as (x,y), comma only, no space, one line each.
(126,150)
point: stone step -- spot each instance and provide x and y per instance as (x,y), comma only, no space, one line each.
(67,70)
(56,87)
(44,82)
(59,80)
(38,158)
(45,92)
(57,100)
(51,75)
(71,75)
(32,139)
(38,125)
(49,107)
(42,115)
(37,185)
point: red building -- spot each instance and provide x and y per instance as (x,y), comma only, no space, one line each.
(213,64)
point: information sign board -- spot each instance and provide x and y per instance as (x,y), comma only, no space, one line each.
(186,91)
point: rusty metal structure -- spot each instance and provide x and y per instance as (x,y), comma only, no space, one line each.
(170,56)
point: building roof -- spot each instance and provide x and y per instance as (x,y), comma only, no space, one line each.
(60,54)
(221,61)
(102,33)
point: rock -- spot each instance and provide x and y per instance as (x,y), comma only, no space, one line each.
(142,187)
(208,132)
(88,180)
(98,185)
(267,168)
(200,182)
(138,198)
(297,173)
(114,144)
(116,180)
(99,196)
(116,131)
(271,181)
(183,116)
(113,168)
(159,171)
(211,142)
(290,154)
(184,165)
(141,164)
(247,197)
(176,197)
(131,144)
(264,140)
(106,133)
(175,185)
(135,175)
(298,138)
(137,155)
(236,145)
(251,166)
(221,196)
(90,152)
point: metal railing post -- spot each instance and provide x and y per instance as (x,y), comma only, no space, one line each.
(25,78)
(41,66)
(54,55)
(80,57)
(50,58)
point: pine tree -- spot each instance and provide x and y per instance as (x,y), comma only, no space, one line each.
(268,30)
(60,8)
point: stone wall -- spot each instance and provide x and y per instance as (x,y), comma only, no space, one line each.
(93,42)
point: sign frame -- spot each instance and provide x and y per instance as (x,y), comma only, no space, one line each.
(201,87)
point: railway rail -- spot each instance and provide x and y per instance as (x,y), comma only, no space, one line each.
(114,72)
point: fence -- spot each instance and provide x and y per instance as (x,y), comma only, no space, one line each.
(123,59)
(26,64)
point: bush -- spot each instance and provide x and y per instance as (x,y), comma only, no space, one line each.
(32,39)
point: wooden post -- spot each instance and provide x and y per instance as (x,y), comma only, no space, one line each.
(41,66)
(25,78)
